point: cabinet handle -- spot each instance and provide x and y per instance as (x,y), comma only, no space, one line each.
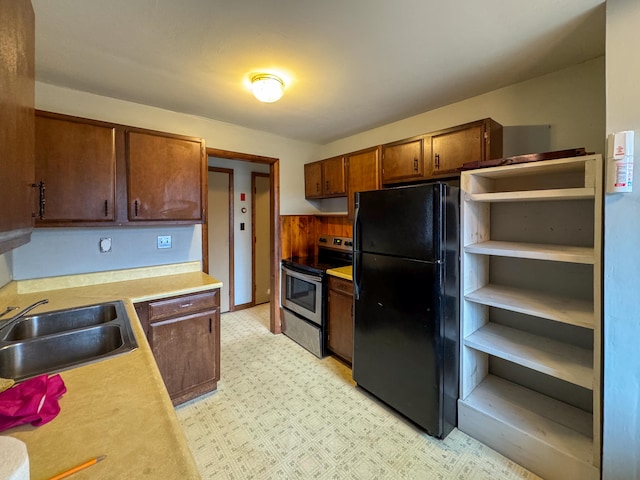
(106,208)
(437,160)
(318,187)
(326,185)
(41,199)
(135,206)
(210,325)
(185,305)
(415,164)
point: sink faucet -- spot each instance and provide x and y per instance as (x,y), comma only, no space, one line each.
(10,321)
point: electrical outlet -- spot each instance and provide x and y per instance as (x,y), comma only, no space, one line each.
(164,241)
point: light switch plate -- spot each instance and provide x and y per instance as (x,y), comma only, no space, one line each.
(164,241)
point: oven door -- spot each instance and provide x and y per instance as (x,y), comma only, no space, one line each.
(302,294)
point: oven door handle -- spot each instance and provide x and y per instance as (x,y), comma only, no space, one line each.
(302,276)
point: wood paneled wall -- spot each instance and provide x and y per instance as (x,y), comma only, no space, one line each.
(299,233)
(336,226)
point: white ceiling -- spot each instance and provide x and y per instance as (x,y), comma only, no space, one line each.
(348,65)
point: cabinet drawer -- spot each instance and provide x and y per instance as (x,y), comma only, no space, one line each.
(340,285)
(183,305)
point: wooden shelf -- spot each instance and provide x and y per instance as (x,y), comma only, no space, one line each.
(557,203)
(538,304)
(558,359)
(516,421)
(533,195)
(544,168)
(535,251)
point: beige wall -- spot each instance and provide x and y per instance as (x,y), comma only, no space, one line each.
(56,251)
(621,432)
(571,101)
(292,154)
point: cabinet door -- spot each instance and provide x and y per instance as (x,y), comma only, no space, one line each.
(340,318)
(403,161)
(450,150)
(76,160)
(363,173)
(186,353)
(333,175)
(165,177)
(313,180)
(17,44)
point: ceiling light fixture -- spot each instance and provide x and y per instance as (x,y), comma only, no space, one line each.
(266,87)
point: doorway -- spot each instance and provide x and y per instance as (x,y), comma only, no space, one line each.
(220,232)
(261,228)
(274,221)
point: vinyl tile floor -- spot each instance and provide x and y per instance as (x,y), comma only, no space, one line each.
(281,413)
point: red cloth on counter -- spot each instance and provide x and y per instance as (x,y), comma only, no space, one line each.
(33,401)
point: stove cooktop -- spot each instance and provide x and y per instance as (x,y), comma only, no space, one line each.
(314,264)
(333,252)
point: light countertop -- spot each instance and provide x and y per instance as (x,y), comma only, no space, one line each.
(118,407)
(342,272)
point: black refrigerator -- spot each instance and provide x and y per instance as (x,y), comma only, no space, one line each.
(406,289)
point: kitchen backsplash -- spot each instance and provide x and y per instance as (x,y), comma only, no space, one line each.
(298,233)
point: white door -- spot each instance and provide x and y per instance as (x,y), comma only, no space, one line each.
(262,238)
(219,231)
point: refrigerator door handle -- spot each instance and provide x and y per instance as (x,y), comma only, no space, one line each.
(357,248)
(356,277)
(356,224)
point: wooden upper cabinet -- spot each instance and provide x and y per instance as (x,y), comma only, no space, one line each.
(17,42)
(363,173)
(165,177)
(313,180)
(403,161)
(476,141)
(76,161)
(325,178)
(334,177)
(96,173)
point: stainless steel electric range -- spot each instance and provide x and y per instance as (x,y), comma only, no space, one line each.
(304,292)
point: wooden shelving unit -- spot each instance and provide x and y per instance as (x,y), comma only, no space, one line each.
(532,314)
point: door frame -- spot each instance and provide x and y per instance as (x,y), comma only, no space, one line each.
(253,231)
(275,324)
(205,233)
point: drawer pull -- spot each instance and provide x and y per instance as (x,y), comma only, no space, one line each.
(185,305)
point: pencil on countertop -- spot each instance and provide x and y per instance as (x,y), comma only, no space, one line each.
(73,470)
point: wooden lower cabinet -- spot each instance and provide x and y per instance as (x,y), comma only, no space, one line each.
(340,318)
(184,335)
